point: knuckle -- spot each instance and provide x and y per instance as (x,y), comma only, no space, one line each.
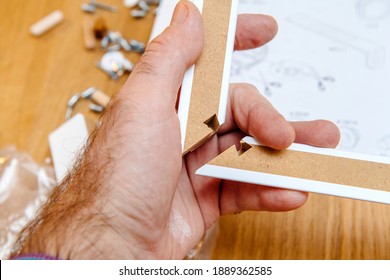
(150,59)
(158,52)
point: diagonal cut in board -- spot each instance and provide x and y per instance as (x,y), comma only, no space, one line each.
(204,94)
(305,168)
(202,111)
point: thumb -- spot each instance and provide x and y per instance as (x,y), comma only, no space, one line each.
(159,73)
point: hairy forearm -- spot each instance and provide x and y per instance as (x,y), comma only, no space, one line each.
(66,217)
(73,224)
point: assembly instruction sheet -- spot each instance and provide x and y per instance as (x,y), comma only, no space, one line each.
(330,60)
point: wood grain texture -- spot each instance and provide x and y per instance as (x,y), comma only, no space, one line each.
(39,75)
(324,228)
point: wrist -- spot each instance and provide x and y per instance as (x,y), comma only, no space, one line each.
(72,225)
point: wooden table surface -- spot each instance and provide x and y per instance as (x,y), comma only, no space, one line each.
(39,75)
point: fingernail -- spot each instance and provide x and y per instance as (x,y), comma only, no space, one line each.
(181,12)
(296,196)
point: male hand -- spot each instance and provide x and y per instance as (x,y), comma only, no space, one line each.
(133,195)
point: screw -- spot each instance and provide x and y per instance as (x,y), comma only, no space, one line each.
(87,94)
(70,106)
(114,36)
(130,3)
(138,13)
(96,108)
(143,5)
(124,44)
(137,46)
(73,100)
(105,41)
(102,6)
(92,5)
(114,41)
(88,8)
(114,48)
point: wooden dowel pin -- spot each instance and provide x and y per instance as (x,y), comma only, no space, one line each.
(47,23)
(88,33)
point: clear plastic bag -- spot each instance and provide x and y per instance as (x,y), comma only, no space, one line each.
(24,186)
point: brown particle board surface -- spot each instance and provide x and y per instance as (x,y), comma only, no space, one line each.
(206,88)
(310,166)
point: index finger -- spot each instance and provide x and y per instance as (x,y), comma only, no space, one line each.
(254,30)
(254,115)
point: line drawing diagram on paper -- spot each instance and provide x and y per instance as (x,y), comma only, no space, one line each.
(328,61)
(374,53)
(289,70)
(384,143)
(349,137)
(373,10)
(249,64)
(244,61)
